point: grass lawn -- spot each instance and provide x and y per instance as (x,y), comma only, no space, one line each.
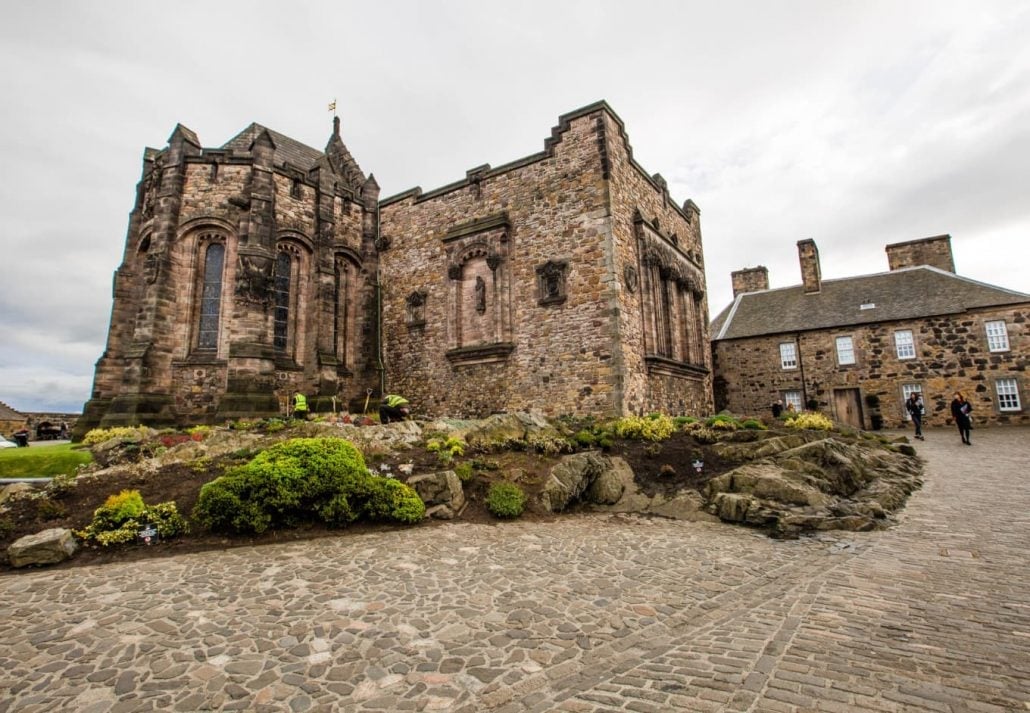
(42,461)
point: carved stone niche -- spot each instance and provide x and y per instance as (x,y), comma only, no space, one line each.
(479,291)
(551,282)
(254,278)
(416,309)
(629,274)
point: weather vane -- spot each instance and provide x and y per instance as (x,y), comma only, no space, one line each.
(332,107)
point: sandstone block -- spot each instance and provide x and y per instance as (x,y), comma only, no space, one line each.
(46,547)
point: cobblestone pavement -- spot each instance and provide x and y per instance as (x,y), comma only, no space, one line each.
(588,613)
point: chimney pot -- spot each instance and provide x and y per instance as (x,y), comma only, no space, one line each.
(750,279)
(811,274)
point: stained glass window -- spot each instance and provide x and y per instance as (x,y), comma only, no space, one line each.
(211,297)
(281,316)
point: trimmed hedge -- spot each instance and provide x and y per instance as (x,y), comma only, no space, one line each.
(505,500)
(304,479)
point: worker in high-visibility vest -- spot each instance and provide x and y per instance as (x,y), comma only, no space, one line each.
(393,408)
(300,406)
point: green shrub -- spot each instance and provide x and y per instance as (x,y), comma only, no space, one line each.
(703,434)
(723,422)
(303,479)
(392,500)
(99,435)
(505,500)
(120,517)
(464,471)
(126,505)
(446,449)
(606,442)
(809,420)
(47,509)
(681,421)
(656,427)
(754,424)
(585,439)
(274,425)
(60,485)
(549,445)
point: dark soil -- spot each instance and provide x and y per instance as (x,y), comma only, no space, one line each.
(664,467)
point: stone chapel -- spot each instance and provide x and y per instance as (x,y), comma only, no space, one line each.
(568,281)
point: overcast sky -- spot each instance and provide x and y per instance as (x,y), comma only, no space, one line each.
(857,124)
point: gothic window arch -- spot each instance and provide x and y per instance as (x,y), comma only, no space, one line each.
(479,309)
(210,283)
(346,283)
(286,285)
(672,291)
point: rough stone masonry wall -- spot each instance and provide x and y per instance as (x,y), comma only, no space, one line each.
(562,357)
(197,381)
(633,190)
(951,355)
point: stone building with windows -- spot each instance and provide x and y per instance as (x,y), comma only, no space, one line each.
(567,281)
(856,347)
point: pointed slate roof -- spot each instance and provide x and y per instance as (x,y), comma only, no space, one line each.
(287,150)
(909,293)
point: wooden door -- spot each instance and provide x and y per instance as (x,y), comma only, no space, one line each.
(848,405)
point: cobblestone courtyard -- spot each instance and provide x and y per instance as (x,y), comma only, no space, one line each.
(588,613)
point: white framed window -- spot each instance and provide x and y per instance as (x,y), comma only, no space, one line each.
(845,350)
(788,355)
(1008,394)
(904,344)
(997,336)
(793,398)
(906,391)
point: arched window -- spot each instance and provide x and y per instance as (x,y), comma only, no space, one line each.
(211,297)
(281,290)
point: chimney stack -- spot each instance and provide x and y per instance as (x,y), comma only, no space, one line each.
(750,279)
(811,275)
(935,252)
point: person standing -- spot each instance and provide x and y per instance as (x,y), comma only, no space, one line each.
(960,410)
(914,406)
(777,408)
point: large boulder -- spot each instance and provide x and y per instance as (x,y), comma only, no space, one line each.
(615,490)
(769,481)
(733,507)
(744,451)
(120,450)
(570,478)
(823,484)
(14,491)
(46,547)
(521,430)
(685,505)
(443,488)
(608,486)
